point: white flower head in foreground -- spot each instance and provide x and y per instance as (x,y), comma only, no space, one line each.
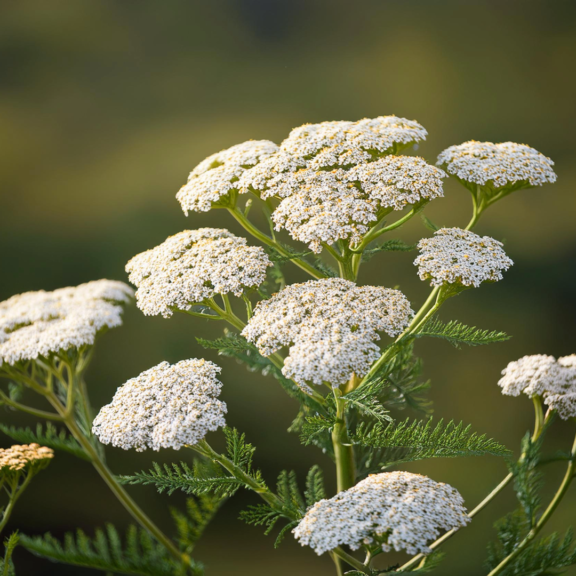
(168,406)
(346,143)
(330,327)
(192,266)
(459,256)
(542,375)
(497,165)
(42,323)
(322,206)
(218,174)
(399,510)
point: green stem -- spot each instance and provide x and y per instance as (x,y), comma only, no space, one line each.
(14,495)
(28,409)
(349,559)
(249,227)
(135,511)
(477,206)
(343,449)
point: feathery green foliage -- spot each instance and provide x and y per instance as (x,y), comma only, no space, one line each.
(393,245)
(314,486)
(418,440)
(544,557)
(51,437)
(457,333)
(313,427)
(428,223)
(431,562)
(6,564)
(528,478)
(202,478)
(190,525)
(140,555)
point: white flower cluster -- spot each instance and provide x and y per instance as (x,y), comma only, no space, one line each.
(330,327)
(192,266)
(168,406)
(399,510)
(454,255)
(41,323)
(497,165)
(218,174)
(322,206)
(554,380)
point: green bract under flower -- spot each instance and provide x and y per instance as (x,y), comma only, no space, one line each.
(165,407)
(191,267)
(330,327)
(42,323)
(456,256)
(395,510)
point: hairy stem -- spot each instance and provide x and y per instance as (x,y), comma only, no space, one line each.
(264,238)
(562,489)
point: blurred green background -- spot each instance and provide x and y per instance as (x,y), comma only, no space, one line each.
(107,105)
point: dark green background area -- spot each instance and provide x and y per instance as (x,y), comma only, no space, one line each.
(105,106)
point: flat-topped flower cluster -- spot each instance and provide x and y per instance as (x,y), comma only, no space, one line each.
(394,510)
(22,456)
(330,327)
(542,375)
(40,323)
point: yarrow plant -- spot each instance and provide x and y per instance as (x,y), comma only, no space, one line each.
(343,352)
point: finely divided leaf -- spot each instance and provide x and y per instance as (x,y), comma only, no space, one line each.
(457,333)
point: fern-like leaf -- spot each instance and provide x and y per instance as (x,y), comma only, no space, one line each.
(199,480)
(417,440)
(6,564)
(50,437)
(314,486)
(457,333)
(140,555)
(394,245)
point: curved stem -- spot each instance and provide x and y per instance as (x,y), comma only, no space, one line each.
(135,511)
(563,488)
(249,227)
(15,493)
(349,559)
(28,409)
(478,207)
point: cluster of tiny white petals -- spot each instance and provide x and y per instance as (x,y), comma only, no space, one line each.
(218,174)
(497,165)
(18,457)
(168,406)
(323,207)
(554,380)
(330,327)
(396,181)
(40,323)
(192,266)
(454,255)
(400,510)
(348,143)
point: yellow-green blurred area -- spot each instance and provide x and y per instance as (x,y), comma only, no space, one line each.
(105,106)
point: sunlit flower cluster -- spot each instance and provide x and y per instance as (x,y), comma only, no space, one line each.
(41,323)
(396,510)
(191,267)
(330,327)
(459,256)
(19,457)
(554,380)
(497,165)
(167,406)
(218,174)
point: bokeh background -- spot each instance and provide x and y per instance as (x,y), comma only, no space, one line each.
(107,105)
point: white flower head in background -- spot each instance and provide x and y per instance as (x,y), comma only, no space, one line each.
(398,510)
(218,174)
(456,256)
(168,406)
(42,323)
(193,266)
(540,375)
(330,327)
(497,166)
